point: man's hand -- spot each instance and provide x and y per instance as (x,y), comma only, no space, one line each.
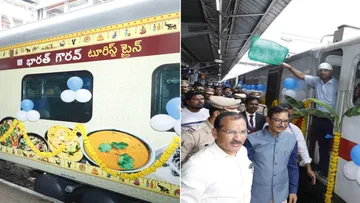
(285,65)
(312,175)
(292,198)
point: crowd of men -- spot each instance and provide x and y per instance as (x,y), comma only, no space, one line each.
(234,154)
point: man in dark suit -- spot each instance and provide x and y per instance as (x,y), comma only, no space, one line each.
(255,121)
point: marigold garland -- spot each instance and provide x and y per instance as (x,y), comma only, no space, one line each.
(303,125)
(275,103)
(9,131)
(33,148)
(157,164)
(333,167)
(80,128)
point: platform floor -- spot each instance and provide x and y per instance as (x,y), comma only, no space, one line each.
(10,193)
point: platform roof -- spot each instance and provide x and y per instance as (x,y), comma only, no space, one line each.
(211,32)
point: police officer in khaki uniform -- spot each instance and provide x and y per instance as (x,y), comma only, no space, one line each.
(207,94)
(200,136)
(242,97)
(184,88)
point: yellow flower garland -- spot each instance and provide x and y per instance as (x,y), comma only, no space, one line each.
(275,103)
(33,148)
(333,167)
(303,125)
(158,163)
(9,131)
(80,128)
(307,104)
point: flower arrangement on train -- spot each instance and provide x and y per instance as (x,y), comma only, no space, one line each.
(114,156)
(301,110)
(125,161)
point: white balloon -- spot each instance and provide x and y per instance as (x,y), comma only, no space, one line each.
(283,91)
(68,96)
(83,95)
(350,170)
(357,176)
(33,115)
(21,116)
(162,122)
(290,93)
(301,95)
(177,127)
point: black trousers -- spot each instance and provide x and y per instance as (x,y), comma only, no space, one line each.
(308,193)
(319,129)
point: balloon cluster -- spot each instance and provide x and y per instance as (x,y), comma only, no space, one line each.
(75,92)
(27,113)
(250,88)
(294,88)
(352,168)
(165,122)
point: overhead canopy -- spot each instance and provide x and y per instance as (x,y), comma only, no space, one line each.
(208,35)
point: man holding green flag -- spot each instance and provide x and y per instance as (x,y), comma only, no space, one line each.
(325,87)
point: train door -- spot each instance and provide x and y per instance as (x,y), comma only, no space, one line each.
(273,86)
(348,96)
(335,58)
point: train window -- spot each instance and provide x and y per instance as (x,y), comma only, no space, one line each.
(356,95)
(165,86)
(45,90)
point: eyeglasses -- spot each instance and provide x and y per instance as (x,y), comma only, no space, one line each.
(233,132)
(279,121)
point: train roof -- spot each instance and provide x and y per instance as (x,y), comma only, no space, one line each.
(109,13)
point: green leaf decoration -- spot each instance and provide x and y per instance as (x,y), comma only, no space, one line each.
(321,114)
(332,111)
(126,162)
(354,111)
(104,147)
(294,103)
(119,145)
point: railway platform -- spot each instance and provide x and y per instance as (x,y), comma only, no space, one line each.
(12,193)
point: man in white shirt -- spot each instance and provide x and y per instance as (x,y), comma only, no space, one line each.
(200,136)
(221,172)
(193,113)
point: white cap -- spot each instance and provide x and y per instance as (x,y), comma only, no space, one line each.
(325,66)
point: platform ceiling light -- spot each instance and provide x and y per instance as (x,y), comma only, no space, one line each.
(218,61)
(217,5)
(219,51)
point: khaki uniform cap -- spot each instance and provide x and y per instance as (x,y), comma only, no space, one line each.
(184,83)
(228,104)
(209,91)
